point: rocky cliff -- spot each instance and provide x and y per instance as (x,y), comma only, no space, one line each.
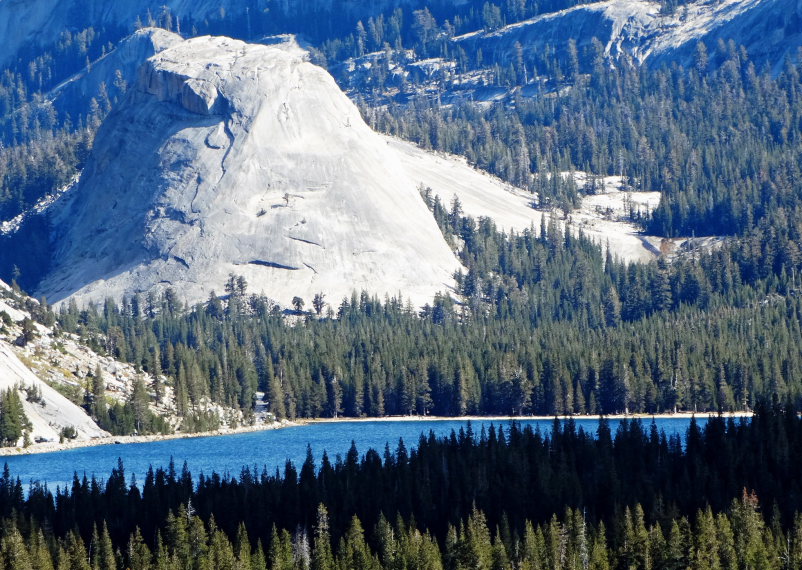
(228,157)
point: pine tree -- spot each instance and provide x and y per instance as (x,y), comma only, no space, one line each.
(102,550)
(221,553)
(139,400)
(478,549)
(354,553)
(243,549)
(13,421)
(40,556)
(74,555)
(258,560)
(138,553)
(749,528)
(280,554)
(706,547)
(599,555)
(13,553)
(322,557)
(98,408)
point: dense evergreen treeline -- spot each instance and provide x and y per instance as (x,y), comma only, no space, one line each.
(547,325)
(737,539)
(499,499)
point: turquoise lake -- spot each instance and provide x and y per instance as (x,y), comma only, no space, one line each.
(264,449)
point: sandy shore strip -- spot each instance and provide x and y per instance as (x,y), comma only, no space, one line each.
(48,447)
(596,417)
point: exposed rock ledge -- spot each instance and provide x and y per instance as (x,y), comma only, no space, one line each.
(195,95)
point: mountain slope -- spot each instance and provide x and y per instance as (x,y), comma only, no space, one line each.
(46,409)
(52,412)
(41,23)
(769,30)
(226,158)
(73,95)
(601,217)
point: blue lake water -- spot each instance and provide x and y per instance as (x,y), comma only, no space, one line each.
(270,449)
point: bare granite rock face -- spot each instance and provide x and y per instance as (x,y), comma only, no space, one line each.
(199,96)
(228,157)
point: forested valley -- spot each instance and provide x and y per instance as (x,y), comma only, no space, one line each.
(543,321)
(548,324)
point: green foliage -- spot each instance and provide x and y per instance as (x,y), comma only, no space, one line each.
(33,394)
(128,418)
(13,421)
(200,422)
(67,432)
(721,147)
(131,417)
(95,397)
(28,332)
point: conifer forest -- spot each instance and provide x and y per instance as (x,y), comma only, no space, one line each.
(539,321)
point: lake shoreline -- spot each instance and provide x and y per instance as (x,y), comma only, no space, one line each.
(49,447)
(596,417)
(52,446)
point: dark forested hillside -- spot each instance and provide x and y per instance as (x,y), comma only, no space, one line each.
(500,499)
